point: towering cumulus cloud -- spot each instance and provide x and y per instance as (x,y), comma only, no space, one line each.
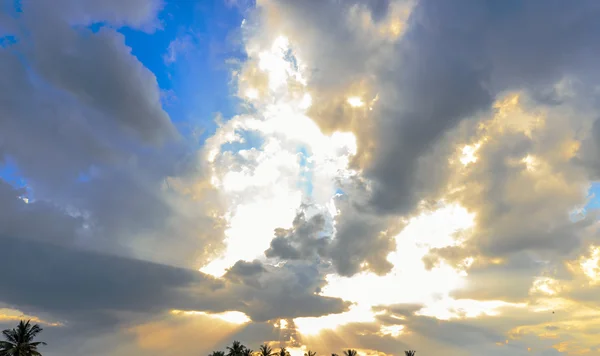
(391,175)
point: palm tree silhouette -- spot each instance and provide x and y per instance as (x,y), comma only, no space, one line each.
(217,353)
(410,353)
(236,349)
(283,352)
(350,352)
(247,352)
(19,341)
(265,350)
(310,353)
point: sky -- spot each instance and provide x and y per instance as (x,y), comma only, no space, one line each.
(380,175)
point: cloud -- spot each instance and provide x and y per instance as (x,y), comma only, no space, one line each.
(105,151)
(99,283)
(243,269)
(523,185)
(177,47)
(414,174)
(302,241)
(103,284)
(137,13)
(351,251)
(51,223)
(99,70)
(475,61)
(363,239)
(287,291)
(116,288)
(437,74)
(431,93)
(92,92)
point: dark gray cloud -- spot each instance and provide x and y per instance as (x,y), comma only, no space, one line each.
(76,97)
(506,223)
(96,68)
(81,89)
(302,241)
(106,289)
(484,334)
(452,62)
(401,310)
(343,57)
(56,148)
(140,14)
(362,240)
(95,289)
(246,273)
(243,269)
(74,284)
(100,72)
(522,208)
(510,281)
(441,81)
(37,220)
(284,291)
(72,99)
(591,151)
(82,120)
(64,280)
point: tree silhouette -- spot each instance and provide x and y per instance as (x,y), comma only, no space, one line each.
(265,350)
(19,341)
(350,352)
(283,352)
(236,349)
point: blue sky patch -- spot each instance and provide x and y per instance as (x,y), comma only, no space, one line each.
(594,196)
(250,139)
(188,56)
(306,174)
(9,172)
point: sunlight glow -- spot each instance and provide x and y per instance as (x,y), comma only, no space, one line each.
(314,325)
(391,330)
(252,93)
(232,317)
(512,116)
(297,351)
(429,230)
(447,308)
(355,101)
(531,162)
(591,265)
(468,154)
(8,315)
(264,181)
(283,324)
(545,285)
(276,64)
(263,186)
